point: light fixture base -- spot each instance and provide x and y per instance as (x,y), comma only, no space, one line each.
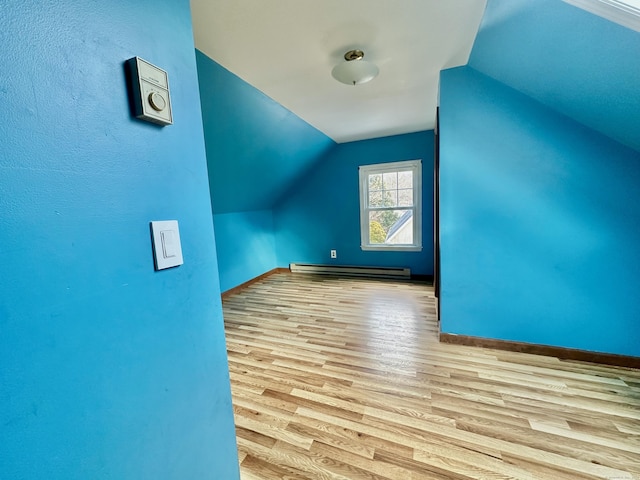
(354,55)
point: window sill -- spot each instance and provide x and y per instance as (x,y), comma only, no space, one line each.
(390,248)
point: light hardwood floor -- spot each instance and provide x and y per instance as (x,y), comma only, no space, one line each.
(336,378)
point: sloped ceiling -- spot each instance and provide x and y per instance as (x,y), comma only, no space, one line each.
(572,60)
(287,49)
(256,148)
(577,63)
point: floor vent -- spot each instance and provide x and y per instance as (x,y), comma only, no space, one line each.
(382,272)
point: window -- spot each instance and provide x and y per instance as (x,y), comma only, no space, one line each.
(391,206)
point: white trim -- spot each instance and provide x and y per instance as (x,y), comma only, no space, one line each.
(623,12)
(390,248)
(414,166)
(390,166)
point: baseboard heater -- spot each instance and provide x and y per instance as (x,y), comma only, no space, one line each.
(381,272)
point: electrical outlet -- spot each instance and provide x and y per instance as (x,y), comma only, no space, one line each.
(334,254)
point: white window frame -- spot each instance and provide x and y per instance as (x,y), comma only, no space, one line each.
(414,166)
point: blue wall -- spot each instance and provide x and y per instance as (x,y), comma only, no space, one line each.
(272,175)
(255,147)
(322,211)
(108,369)
(246,246)
(574,62)
(540,222)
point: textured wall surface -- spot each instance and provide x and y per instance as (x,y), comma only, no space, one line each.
(108,369)
(540,222)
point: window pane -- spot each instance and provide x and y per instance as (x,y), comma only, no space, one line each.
(375,199)
(391,198)
(391,227)
(375,182)
(390,180)
(377,235)
(379,224)
(405,179)
(386,218)
(401,232)
(405,198)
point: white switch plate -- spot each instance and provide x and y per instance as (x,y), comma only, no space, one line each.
(167,251)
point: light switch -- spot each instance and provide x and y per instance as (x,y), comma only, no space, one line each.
(168,244)
(167,251)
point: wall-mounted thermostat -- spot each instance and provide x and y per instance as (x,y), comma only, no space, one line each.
(150,92)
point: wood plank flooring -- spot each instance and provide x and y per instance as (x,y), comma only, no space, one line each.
(336,378)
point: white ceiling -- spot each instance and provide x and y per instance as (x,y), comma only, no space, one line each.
(287,48)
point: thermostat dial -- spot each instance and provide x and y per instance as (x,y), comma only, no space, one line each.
(157,101)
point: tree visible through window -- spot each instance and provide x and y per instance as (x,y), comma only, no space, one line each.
(390,206)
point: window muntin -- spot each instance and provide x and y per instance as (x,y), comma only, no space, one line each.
(390,206)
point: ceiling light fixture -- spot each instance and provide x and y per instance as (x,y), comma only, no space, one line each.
(354,70)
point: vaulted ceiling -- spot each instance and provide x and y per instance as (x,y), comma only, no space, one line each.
(287,49)
(575,62)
